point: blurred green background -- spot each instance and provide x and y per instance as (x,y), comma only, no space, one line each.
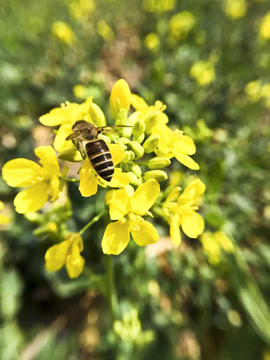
(209,62)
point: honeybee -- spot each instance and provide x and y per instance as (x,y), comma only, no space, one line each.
(85,138)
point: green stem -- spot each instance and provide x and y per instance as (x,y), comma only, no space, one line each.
(111,290)
(70,179)
(93,221)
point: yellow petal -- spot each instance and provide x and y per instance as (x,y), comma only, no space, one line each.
(88,184)
(56,255)
(75,262)
(119,179)
(194,190)
(53,118)
(137,102)
(119,204)
(185,160)
(31,199)
(145,233)
(117,153)
(120,97)
(21,172)
(145,197)
(192,224)
(54,188)
(185,145)
(60,142)
(116,237)
(48,159)
(175,229)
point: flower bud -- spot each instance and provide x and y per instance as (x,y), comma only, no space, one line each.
(71,155)
(97,115)
(159,175)
(136,170)
(150,122)
(137,148)
(133,178)
(120,97)
(132,155)
(138,128)
(151,143)
(158,163)
(121,118)
(123,140)
(127,157)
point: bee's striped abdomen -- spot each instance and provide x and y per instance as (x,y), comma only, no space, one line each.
(101,158)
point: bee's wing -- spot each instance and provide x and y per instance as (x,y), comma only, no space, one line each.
(75,135)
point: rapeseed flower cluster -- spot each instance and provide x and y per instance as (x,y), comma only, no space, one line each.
(142,145)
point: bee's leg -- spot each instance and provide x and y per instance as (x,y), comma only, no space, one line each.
(78,172)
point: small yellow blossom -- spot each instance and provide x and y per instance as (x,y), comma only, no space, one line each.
(67,253)
(105,31)
(175,144)
(265,27)
(120,97)
(128,209)
(40,180)
(4,219)
(64,32)
(152,42)
(214,243)
(90,180)
(158,6)
(66,116)
(81,9)
(183,211)
(235,9)
(203,72)
(181,24)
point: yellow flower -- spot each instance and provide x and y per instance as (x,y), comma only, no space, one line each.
(152,42)
(174,143)
(120,97)
(183,212)
(40,180)
(64,32)
(181,24)
(235,9)
(214,243)
(4,219)
(67,253)
(128,209)
(80,9)
(265,27)
(90,180)
(66,116)
(253,90)
(203,72)
(105,31)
